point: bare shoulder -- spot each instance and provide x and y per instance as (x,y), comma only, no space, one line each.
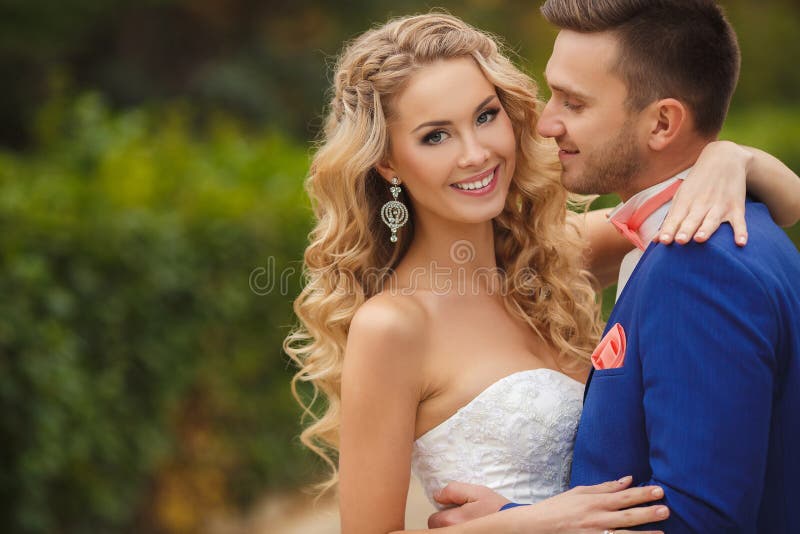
(387,334)
(390,318)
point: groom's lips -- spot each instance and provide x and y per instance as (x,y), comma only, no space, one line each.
(564,154)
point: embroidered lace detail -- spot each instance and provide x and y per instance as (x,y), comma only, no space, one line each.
(515,437)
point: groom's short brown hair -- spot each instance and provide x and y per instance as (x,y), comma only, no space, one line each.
(683,49)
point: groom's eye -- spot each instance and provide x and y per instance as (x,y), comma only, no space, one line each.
(572,106)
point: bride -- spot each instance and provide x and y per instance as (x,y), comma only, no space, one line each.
(450,307)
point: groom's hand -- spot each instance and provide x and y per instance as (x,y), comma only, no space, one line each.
(470,501)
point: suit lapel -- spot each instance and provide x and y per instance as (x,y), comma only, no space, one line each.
(611,321)
(588,381)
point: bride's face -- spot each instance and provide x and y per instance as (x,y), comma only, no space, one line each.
(452,144)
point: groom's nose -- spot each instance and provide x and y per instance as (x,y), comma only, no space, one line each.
(550,125)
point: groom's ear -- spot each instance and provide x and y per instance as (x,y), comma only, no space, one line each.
(667,118)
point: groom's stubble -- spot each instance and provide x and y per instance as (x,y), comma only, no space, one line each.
(611,167)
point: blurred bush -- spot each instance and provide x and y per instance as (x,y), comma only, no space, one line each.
(142,382)
(266,61)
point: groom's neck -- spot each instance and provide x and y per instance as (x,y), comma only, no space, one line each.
(663,165)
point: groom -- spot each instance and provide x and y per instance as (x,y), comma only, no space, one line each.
(696,384)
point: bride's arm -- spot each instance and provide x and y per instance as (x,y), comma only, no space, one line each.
(611,505)
(768,180)
(702,204)
(605,245)
(381,379)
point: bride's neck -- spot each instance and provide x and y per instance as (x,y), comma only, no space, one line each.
(449,256)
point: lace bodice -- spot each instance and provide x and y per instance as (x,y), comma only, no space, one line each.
(515,437)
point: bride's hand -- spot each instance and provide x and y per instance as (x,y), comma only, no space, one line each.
(713,193)
(581,510)
(593,509)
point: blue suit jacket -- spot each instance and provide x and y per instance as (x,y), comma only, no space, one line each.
(707,404)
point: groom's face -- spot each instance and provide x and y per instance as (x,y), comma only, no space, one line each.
(600,140)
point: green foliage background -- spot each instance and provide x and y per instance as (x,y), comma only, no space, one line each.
(153,222)
(140,353)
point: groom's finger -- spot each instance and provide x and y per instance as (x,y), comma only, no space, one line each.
(450,517)
(456,516)
(440,519)
(456,493)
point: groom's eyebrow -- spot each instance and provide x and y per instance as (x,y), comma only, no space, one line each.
(569,91)
(447,123)
(566,90)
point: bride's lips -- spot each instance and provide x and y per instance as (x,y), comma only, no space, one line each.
(484,189)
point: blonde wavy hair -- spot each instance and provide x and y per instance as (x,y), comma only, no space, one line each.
(350,257)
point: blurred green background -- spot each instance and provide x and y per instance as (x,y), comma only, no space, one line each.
(152,155)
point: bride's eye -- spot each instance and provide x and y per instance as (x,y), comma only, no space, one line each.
(435,138)
(487,116)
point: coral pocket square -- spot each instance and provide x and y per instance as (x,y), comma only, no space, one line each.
(610,353)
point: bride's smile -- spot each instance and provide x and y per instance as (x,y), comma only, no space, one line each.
(481,184)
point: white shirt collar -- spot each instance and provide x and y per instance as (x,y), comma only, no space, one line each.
(650,227)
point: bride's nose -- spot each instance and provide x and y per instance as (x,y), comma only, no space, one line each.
(474,153)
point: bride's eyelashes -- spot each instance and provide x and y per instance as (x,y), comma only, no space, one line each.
(488,115)
(437,137)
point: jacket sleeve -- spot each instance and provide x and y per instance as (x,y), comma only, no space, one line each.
(708,365)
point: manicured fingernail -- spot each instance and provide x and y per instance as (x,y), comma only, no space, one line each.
(623,480)
(662,511)
(680,237)
(664,238)
(742,239)
(700,234)
(658,492)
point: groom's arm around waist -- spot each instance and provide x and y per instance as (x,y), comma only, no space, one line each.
(706,337)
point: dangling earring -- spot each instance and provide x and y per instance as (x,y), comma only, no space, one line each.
(394,213)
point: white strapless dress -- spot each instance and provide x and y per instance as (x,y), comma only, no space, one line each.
(515,437)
